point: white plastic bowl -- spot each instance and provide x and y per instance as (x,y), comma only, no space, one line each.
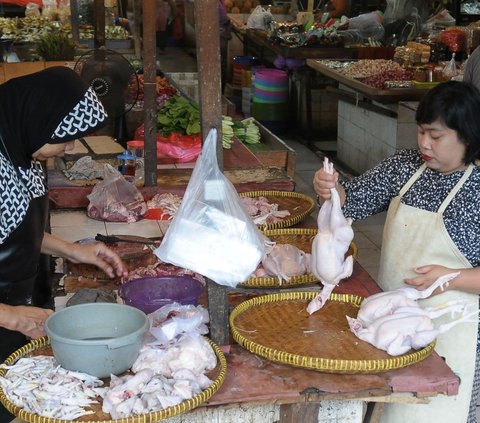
(98,338)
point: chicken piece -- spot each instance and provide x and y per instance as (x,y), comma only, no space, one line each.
(385,303)
(124,389)
(329,246)
(407,328)
(285,261)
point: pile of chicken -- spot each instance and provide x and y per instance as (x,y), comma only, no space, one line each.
(283,261)
(262,212)
(329,246)
(394,322)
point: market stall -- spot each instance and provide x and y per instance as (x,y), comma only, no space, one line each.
(255,385)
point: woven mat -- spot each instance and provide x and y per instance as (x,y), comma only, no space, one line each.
(301,238)
(41,346)
(278,327)
(299,205)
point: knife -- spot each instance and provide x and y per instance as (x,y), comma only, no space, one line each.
(112,239)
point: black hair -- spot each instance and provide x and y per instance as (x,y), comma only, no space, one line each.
(457,105)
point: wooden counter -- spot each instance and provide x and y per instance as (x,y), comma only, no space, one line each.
(254,38)
(242,167)
(382,96)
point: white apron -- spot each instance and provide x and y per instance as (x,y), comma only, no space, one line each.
(406,232)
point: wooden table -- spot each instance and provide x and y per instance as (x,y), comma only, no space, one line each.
(241,167)
(251,379)
(380,95)
(256,40)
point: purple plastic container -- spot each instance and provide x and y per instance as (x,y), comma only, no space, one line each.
(149,294)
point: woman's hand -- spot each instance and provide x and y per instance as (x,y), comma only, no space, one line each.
(25,319)
(323,182)
(99,255)
(427,275)
(467,281)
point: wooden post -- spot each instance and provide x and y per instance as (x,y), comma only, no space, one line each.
(207,36)
(99,24)
(150,76)
(74,20)
(218,311)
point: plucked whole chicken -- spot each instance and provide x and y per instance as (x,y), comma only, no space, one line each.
(329,247)
(385,303)
(285,261)
(393,321)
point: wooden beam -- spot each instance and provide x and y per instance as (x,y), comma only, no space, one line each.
(99,24)
(150,76)
(207,35)
(207,41)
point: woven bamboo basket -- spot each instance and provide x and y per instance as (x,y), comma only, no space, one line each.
(299,205)
(278,328)
(41,346)
(301,238)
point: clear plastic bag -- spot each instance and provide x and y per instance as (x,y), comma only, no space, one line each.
(115,199)
(259,18)
(211,233)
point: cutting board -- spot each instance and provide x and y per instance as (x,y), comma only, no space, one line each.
(98,147)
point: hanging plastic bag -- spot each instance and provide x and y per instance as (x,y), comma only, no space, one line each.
(259,18)
(115,199)
(211,233)
(450,70)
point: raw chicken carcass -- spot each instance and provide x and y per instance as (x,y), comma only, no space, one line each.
(285,261)
(385,303)
(408,327)
(329,246)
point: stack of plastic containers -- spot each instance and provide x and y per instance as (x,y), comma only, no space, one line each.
(270,99)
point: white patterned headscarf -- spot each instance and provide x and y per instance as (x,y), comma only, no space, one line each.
(49,107)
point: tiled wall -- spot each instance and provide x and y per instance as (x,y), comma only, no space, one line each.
(366,137)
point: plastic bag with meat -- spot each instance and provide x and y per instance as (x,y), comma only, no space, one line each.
(115,199)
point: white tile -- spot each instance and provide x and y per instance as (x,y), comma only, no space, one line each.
(72,218)
(79,232)
(362,241)
(189,165)
(145,228)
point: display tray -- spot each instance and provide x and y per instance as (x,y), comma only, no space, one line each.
(299,205)
(41,346)
(278,328)
(301,238)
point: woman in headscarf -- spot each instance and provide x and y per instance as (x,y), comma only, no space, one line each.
(41,115)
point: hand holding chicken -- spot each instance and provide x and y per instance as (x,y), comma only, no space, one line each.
(329,246)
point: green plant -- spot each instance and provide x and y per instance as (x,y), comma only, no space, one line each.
(56,45)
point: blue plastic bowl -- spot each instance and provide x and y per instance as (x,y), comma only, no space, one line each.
(151,293)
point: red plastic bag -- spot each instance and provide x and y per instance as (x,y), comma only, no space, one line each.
(181,148)
(453,39)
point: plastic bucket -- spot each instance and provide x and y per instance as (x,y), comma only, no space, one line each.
(273,116)
(149,294)
(97,338)
(271,86)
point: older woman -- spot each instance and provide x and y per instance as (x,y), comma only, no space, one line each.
(431,229)
(40,117)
